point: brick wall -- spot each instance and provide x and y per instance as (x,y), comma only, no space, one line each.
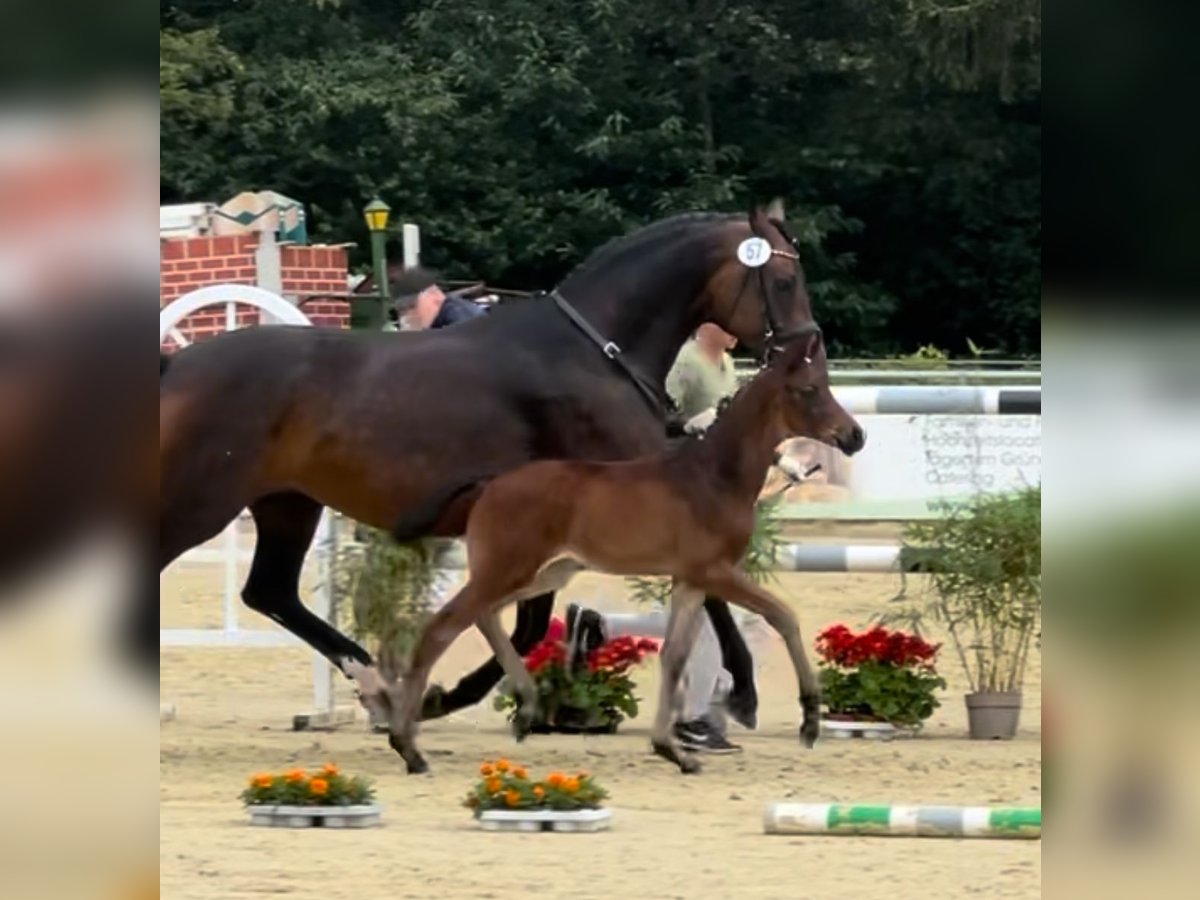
(312,270)
(186,264)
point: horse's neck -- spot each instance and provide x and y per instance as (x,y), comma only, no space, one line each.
(741,444)
(648,307)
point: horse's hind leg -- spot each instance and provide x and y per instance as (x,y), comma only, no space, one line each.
(286,524)
(683,625)
(533,621)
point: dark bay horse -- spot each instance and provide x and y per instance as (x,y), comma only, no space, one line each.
(687,513)
(285,420)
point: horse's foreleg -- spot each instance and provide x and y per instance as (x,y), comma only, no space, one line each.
(742,701)
(683,625)
(533,621)
(736,587)
(286,524)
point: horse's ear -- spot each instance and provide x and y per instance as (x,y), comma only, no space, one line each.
(801,353)
(775,210)
(760,222)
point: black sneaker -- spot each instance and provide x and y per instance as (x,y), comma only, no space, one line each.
(699,736)
(585,632)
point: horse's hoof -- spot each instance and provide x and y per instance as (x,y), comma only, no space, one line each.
(689,765)
(809,732)
(743,709)
(417,765)
(433,704)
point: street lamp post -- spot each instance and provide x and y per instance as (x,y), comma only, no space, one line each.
(367,312)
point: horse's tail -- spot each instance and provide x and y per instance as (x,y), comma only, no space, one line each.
(418,522)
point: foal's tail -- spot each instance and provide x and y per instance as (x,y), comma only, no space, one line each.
(418,522)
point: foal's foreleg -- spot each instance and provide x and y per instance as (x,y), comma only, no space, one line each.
(736,587)
(403,701)
(683,625)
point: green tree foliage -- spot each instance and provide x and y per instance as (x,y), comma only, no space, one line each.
(903,136)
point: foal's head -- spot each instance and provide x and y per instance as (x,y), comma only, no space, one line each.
(798,378)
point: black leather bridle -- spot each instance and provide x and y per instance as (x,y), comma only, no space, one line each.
(773,336)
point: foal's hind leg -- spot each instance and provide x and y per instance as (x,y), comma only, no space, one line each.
(734,586)
(554,576)
(683,625)
(286,524)
(514,668)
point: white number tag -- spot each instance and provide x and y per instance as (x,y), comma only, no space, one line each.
(754,252)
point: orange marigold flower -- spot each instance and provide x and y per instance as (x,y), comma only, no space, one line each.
(554,779)
(330,769)
(512,798)
(519,772)
(570,785)
(538,791)
(486,769)
(502,765)
(493,785)
(264,780)
(296,775)
(319,787)
(581,774)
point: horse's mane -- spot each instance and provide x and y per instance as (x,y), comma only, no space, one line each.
(646,236)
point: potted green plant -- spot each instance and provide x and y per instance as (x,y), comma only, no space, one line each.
(983,561)
(383,593)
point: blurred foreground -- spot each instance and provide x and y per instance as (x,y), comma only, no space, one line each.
(78,736)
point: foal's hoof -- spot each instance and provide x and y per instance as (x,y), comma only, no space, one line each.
(433,704)
(521,727)
(687,763)
(809,732)
(413,761)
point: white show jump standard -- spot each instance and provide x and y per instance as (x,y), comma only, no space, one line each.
(940,400)
(903,821)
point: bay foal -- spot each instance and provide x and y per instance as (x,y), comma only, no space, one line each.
(687,513)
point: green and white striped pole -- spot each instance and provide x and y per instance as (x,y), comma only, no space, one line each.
(904,821)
